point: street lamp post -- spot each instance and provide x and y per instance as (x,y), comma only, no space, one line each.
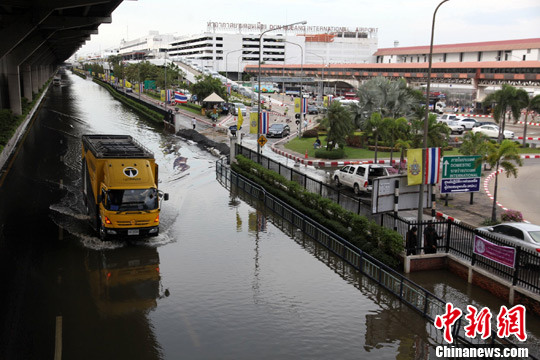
(426,122)
(322,75)
(301,64)
(226,62)
(259,81)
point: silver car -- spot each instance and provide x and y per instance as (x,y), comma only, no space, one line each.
(520,234)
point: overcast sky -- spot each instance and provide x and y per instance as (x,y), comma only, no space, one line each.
(408,22)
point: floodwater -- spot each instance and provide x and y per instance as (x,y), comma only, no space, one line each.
(223,280)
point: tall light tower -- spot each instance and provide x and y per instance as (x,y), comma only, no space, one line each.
(426,122)
(259,80)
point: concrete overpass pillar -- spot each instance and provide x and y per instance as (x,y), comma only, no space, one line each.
(14,86)
(480,93)
(42,77)
(27,82)
(35,79)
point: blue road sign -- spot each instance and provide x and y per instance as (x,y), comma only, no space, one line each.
(460,185)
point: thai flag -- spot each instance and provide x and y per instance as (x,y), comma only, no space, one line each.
(180,98)
(304,106)
(141,88)
(228,88)
(263,122)
(432,168)
(330,99)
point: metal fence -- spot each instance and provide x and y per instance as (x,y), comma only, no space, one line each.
(408,292)
(456,239)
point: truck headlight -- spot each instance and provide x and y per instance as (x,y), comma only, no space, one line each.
(153,230)
(111,232)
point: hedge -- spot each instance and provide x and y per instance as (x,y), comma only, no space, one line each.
(141,109)
(311,133)
(322,153)
(384,244)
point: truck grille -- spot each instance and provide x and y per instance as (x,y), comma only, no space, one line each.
(134,223)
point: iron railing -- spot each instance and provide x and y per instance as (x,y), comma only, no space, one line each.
(457,239)
(408,292)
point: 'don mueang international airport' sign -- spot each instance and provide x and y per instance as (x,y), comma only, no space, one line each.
(226,26)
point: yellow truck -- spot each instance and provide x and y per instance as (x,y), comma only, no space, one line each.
(120,186)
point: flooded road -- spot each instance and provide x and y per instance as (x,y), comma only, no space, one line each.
(223,280)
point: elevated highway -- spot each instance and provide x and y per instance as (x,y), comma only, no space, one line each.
(37,36)
(479,75)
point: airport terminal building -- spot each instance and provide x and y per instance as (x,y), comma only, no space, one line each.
(231,46)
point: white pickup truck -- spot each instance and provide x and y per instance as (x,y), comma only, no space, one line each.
(360,177)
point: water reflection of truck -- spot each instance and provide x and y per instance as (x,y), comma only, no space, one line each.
(119,180)
(124,280)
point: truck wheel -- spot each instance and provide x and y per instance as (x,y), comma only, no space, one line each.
(336,180)
(356,189)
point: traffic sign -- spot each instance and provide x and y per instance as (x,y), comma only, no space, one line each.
(460,185)
(460,167)
(262,140)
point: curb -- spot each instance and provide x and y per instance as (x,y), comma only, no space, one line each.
(486,189)
(473,115)
(530,123)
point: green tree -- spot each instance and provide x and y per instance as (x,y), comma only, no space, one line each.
(507,99)
(339,125)
(206,85)
(529,104)
(504,155)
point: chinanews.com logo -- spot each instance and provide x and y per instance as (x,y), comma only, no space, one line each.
(510,322)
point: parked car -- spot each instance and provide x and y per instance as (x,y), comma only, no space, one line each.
(455,128)
(359,177)
(312,109)
(481,123)
(467,123)
(322,109)
(519,234)
(492,131)
(235,107)
(278,130)
(447,117)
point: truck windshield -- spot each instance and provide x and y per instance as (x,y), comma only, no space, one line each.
(132,199)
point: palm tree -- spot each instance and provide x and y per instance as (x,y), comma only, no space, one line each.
(394,129)
(339,124)
(374,127)
(474,144)
(437,132)
(502,155)
(530,104)
(508,98)
(391,98)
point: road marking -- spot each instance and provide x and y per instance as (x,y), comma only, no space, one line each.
(58,339)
